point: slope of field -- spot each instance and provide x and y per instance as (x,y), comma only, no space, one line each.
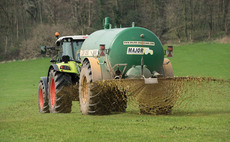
(19,80)
(202,59)
(205,117)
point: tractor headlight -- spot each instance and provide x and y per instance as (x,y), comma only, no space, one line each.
(65,67)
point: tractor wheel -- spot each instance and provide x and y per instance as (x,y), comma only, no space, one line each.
(167,67)
(43,104)
(59,99)
(90,103)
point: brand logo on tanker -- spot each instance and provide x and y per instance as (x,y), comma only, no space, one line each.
(138,43)
(139,51)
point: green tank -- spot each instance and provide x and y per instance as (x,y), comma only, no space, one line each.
(124,52)
(132,54)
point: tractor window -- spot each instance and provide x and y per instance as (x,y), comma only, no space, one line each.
(67,50)
(77,47)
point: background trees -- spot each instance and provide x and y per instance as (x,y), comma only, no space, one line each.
(26,24)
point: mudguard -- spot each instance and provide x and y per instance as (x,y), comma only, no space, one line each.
(45,82)
(95,67)
(54,66)
(167,68)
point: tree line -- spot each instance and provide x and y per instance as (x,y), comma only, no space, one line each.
(27,24)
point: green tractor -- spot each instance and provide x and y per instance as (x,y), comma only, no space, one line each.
(53,91)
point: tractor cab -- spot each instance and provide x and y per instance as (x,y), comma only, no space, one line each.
(63,73)
(70,47)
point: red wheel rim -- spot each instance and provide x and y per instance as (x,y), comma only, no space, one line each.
(41,98)
(52,92)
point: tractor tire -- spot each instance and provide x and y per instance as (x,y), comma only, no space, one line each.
(60,101)
(167,69)
(90,103)
(43,104)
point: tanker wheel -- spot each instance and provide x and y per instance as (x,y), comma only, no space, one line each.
(90,103)
(43,104)
(60,101)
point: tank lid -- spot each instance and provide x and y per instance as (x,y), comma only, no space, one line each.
(133,24)
(106,23)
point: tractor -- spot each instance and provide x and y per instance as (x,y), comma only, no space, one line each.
(63,72)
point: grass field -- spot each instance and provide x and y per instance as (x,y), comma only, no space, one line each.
(203,117)
(202,59)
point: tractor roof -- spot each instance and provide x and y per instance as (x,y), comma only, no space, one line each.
(75,37)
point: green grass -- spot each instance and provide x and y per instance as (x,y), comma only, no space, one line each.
(203,117)
(19,80)
(202,59)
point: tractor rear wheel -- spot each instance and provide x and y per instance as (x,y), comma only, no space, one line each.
(60,101)
(90,103)
(43,104)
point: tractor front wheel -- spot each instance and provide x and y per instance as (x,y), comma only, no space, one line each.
(43,104)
